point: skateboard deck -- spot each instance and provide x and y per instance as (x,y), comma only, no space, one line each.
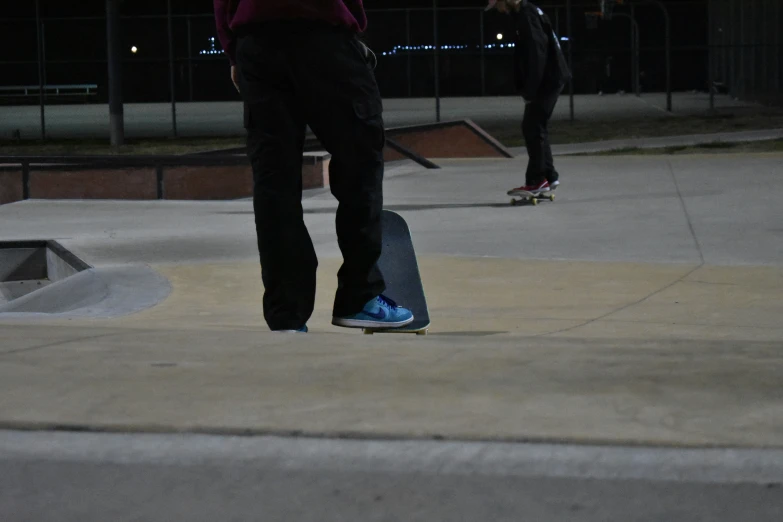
(401,272)
(531,197)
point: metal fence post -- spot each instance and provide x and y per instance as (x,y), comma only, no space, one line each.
(633,52)
(481,53)
(779,46)
(43,51)
(172,84)
(731,75)
(668,57)
(742,82)
(668,52)
(116,111)
(25,180)
(765,45)
(710,64)
(570,59)
(437,64)
(636,57)
(190,59)
(408,43)
(41,86)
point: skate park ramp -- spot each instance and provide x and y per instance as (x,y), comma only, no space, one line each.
(44,278)
(452,139)
(448,139)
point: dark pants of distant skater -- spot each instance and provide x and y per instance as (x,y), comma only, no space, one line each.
(535,129)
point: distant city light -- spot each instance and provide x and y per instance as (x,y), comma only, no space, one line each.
(399,49)
(396,50)
(563,38)
(134,49)
(212,49)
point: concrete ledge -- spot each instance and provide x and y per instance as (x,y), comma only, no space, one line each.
(207,183)
(141,177)
(88,183)
(315,170)
(11,186)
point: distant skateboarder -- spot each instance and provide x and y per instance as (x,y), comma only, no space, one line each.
(540,72)
(297,64)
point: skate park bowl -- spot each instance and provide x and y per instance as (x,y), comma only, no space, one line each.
(44,278)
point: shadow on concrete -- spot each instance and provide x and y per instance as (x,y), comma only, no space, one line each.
(470,334)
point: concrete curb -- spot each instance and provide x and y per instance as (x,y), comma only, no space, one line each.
(451,458)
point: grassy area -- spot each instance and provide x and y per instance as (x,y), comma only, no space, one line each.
(507,132)
(711,148)
(563,132)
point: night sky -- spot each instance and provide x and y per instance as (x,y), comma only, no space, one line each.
(74,35)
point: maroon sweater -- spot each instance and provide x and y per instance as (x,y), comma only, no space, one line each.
(231,14)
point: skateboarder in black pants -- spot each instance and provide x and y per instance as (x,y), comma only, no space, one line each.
(540,72)
(297,64)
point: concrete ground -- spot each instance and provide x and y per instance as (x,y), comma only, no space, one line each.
(96,477)
(224,118)
(642,308)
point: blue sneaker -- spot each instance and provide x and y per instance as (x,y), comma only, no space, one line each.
(381,312)
(301,330)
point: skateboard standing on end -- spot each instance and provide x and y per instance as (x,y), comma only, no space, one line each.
(401,273)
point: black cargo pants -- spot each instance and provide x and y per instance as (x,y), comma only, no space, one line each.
(535,129)
(293,74)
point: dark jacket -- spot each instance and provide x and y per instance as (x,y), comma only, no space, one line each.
(231,15)
(540,68)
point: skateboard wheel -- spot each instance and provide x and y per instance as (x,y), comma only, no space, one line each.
(513,202)
(551,197)
(534,201)
(368,332)
(423,332)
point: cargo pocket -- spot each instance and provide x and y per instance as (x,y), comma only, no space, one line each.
(369,111)
(360,49)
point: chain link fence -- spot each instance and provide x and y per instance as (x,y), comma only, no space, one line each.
(734,49)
